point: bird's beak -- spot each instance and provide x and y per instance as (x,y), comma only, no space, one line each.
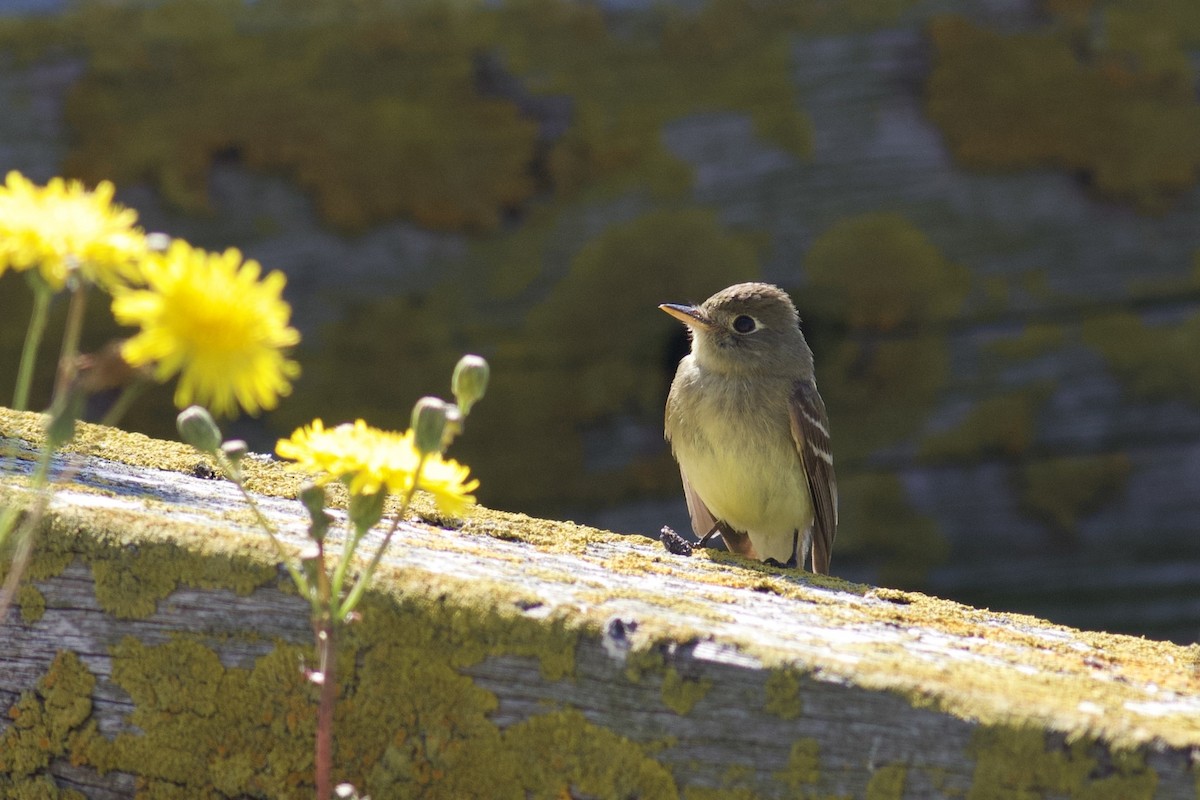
(688,315)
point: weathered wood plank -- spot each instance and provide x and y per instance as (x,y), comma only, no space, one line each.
(516,657)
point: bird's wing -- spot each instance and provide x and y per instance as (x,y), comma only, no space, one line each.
(810,431)
(703,521)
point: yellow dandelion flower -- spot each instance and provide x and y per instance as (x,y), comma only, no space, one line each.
(370,460)
(208,318)
(51,228)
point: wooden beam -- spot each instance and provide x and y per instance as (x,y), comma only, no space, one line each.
(158,649)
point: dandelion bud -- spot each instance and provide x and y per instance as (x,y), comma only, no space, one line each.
(365,510)
(312,497)
(311,562)
(158,242)
(469,382)
(454,425)
(429,424)
(198,429)
(235,450)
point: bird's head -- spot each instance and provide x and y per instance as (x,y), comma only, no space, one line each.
(749,327)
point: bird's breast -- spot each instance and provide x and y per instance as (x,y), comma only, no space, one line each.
(733,441)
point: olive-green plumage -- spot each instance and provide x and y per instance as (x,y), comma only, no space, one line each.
(750,431)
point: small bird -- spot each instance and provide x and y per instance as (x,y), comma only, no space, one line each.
(750,431)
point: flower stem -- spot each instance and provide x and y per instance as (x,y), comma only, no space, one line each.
(297,576)
(24,533)
(360,586)
(353,536)
(42,294)
(130,393)
(324,632)
(69,356)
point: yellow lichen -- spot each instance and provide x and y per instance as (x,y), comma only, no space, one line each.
(911,373)
(879,271)
(879,521)
(681,694)
(783,694)
(887,783)
(1062,490)
(803,765)
(1018,763)
(1154,362)
(1001,424)
(561,752)
(200,724)
(32,603)
(44,722)
(1037,338)
(1029,99)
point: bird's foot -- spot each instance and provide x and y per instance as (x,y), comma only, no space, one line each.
(773,562)
(674,543)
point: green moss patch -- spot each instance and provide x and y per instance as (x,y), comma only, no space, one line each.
(1017,763)
(1016,101)
(878,519)
(403,109)
(1153,362)
(44,724)
(1060,491)
(1000,425)
(878,271)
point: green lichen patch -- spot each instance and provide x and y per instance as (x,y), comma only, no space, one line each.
(1015,763)
(200,725)
(803,765)
(103,442)
(910,372)
(887,783)
(681,694)
(44,721)
(879,520)
(1153,362)
(918,288)
(1015,101)
(783,694)
(146,559)
(879,271)
(32,603)
(1036,339)
(407,109)
(1158,34)
(561,754)
(1060,491)
(999,425)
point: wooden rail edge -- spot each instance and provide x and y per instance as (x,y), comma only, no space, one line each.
(157,650)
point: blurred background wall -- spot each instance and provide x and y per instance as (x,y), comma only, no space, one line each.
(986,211)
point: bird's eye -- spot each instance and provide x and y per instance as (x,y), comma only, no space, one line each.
(745,324)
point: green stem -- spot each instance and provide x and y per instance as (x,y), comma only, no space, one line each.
(42,294)
(353,537)
(265,524)
(324,629)
(25,533)
(69,357)
(130,393)
(360,586)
